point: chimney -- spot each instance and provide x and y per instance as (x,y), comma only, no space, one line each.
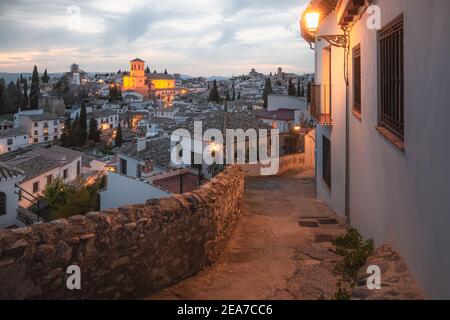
(141,144)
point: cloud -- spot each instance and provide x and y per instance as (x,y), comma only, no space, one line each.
(201,37)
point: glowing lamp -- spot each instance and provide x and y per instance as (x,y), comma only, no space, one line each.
(297,128)
(312,21)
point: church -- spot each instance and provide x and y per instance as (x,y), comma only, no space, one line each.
(160,86)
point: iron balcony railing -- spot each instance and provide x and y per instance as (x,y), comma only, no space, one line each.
(319,100)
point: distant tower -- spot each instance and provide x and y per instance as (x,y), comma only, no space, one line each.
(74,68)
(136,81)
(280,71)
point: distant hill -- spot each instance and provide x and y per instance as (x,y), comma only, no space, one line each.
(218,78)
(14,76)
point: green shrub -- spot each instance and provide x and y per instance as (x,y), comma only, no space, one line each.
(355,251)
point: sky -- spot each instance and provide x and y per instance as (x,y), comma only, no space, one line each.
(193,37)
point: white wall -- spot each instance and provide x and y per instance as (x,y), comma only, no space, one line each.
(335,198)
(42,179)
(395,197)
(8,187)
(17,142)
(275,102)
(122,191)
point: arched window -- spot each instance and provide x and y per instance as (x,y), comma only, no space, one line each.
(2,203)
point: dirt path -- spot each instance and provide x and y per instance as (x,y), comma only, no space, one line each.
(270,256)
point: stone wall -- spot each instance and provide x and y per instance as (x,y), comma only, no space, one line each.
(125,252)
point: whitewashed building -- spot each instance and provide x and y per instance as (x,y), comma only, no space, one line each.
(40,126)
(9,197)
(382,141)
(40,166)
(13,139)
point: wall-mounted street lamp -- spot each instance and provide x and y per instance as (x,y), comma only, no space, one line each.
(312,20)
(312,26)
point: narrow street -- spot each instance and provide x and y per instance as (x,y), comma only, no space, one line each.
(270,256)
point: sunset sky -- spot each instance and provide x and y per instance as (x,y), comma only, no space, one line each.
(194,37)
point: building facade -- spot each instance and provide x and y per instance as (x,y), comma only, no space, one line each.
(136,80)
(381,137)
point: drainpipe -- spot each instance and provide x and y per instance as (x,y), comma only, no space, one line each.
(347,123)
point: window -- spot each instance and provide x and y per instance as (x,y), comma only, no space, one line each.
(49,179)
(10,141)
(123,166)
(55,123)
(35,132)
(35,140)
(45,138)
(55,130)
(35,124)
(390,42)
(2,204)
(357,78)
(36,187)
(78,168)
(326,161)
(65,173)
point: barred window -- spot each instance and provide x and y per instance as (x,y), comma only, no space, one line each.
(3,204)
(391,115)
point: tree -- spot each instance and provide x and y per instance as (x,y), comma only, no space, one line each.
(57,193)
(291,88)
(239,96)
(119,139)
(147,70)
(94,133)
(267,90)
(2,96)
(35,90)
(234,93)
(66,135)
(25,94)
(298,88)
(68,200)
(302,91)
(227,98)
(165,71)
(214,95)
(13,97)
(75,132)
(45,77)
(19,94)
(83,125)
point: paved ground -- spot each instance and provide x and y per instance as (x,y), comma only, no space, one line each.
(270,256)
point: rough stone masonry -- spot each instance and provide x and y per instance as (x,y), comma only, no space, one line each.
(126,252)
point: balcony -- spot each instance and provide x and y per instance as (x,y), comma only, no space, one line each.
(319,101)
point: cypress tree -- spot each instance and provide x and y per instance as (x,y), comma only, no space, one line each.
(214,95)
(165,71)
(228,96)
(267,90)
(66,135)
(75,132)
(94,134)
(119,139)
(239,96)
(25,94)
(147,70)
(83,125)
(45,77)
(298,88)
(35,90)
(19,94)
